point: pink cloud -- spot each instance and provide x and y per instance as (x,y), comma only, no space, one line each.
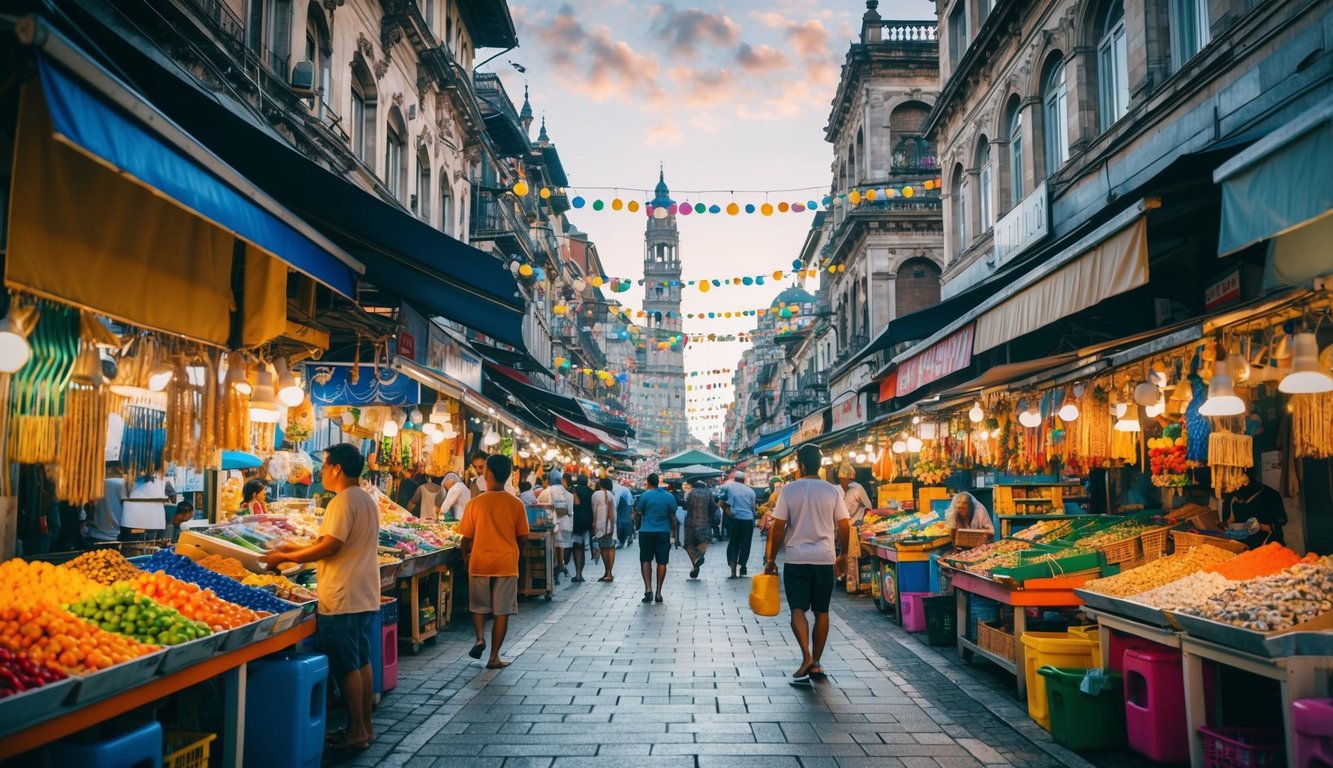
(663,133)
(601,67)
(759,59)
(688,30)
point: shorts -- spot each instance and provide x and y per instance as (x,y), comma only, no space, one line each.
(654,546)
(345,639)
(808,587)
(605,542)
(580,540)
(496,595)
(563,539)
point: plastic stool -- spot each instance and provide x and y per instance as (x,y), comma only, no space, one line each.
(1155,705)
(914,611)
(284,710)
(377,652)
(389,656)
(1121,642)
(139,748)
(1312,722)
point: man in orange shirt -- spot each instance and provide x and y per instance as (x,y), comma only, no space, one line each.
(494,527)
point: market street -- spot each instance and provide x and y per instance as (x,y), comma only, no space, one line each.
(600,679)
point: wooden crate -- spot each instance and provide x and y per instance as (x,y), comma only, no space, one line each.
(1184,541)
(537,566)
(967,538)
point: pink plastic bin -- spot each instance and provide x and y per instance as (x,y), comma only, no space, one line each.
(1312,722)
(389,633)
(914,611)
(1155,705)
(1121,642)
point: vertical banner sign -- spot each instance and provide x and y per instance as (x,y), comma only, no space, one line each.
(948,355)
(415,336)
(454,360)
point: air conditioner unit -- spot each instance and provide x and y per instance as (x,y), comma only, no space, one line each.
(303,78)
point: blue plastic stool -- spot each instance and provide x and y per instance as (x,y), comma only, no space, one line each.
(139,748)
(284,710)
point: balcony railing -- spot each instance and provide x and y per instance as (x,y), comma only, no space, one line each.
(853,347)
(221,19)
(914,155)
(908,32)
(494,219)
(817,380)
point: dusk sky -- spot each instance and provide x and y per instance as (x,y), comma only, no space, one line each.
(726,96)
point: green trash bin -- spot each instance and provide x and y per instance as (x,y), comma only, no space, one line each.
(1081,721)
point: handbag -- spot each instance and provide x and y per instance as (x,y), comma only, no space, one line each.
(764,598)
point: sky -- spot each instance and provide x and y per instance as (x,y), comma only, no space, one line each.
(731,99)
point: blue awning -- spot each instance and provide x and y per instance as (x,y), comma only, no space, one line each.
(775,441)
(113,124)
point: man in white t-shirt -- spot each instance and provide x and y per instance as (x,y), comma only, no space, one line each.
(562,507)
(810,519)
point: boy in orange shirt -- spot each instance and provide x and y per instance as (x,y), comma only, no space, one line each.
(494,527)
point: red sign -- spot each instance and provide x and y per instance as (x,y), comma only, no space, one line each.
(888,387)
(948,355)
(407,345)
(1222,291)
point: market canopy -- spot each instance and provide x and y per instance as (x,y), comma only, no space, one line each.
(586,433)
(693,456)
(775,441)
(699,471)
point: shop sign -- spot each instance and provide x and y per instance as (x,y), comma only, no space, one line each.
(849,412)
(333,384)
(451,358)
(888,387)
(948,355)
(811,427)
(1023,227)
(412,339)
(1224,290)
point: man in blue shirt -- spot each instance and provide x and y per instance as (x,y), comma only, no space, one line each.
(655,520)
(738,503)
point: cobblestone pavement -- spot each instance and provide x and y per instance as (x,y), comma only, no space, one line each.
(699,681)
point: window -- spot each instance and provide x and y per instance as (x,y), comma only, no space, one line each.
(1015,128)
(395,156)
(319,52)
(1190,22)
(984,206)
(959,189)
(446,206)
(957,32)
(423,185)
(362,122)
(1112,66)
(1056,98)
(271,33)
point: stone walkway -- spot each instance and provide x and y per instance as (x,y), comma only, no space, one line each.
(600,679)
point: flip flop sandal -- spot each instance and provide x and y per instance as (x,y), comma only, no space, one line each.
(477,650)
(501,665)
(349,746)
(817,673)
(647,597)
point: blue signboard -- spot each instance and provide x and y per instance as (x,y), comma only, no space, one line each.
(331,384)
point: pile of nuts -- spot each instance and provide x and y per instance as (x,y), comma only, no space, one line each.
(1272,603)
(227,566)
(104,566)
(1159,572)
(1183,594)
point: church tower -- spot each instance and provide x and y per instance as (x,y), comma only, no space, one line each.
(663,405)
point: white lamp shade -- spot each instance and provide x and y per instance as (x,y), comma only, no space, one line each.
(436,438)
(236,374)
(490,438)
(1222,399)
(160,376)
(1030,418)
(1068,411)
(1307,375)
(263,403)
(416,416)
(1156,409)
(927,430)
(390,428)
(914,444)
(1120,409)
(900,446)
(438,415)
(14,349)
(975,414)
(289,392)
(1128,424)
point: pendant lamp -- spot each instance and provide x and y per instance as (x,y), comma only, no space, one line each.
(975,414)
(1222,399)
(1031,417)
(264,403)
(236,378)
(289,392)
(14,349)
(1308,375)
(1068,405)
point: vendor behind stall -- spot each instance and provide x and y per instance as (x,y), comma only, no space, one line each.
(966,513)
(1258,503)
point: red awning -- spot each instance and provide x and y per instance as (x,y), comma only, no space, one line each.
(586,433)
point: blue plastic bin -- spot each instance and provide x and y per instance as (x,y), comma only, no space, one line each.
(914,577)
(138,748)
(284,710)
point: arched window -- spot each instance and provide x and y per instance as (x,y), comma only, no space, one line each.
(319,52)
(1014,127)
(1055,97)
(446,204)
(1112,65)
(918,286)
(361,122)
(863,173)
(959,189)
(986,170)
(911,152)
(423,184)
(395,156)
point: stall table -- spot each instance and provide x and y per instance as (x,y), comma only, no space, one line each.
(894,567)
(1109,621)
(1007,521)
(421,580)
(229,667)
(537,565)
(1040,593)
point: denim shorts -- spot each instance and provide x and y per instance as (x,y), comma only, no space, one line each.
(345,639)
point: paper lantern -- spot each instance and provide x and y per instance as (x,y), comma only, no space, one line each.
(700,208)
(749,207)
(521,188)
(596,281)
(633,206)
(715,208)
(854,197)
(544,194)
(871,194)
(704,286)
(577,202)
(908,192)
(733,209)
(766,209)
(659,213)
(798,208)
(525,270)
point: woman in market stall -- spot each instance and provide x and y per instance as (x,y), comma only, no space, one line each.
(425,501)
(456,497)
(254,497)
(966,513)
(1258,506)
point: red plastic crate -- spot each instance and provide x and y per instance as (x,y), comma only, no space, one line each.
(1242,747)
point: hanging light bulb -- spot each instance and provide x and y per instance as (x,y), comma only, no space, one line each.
(263,403)
(236,374)
(914,444)
(860,458)
(430,429)
(436,438)
(1156,409)
(1129,422)
(416,417)
(975,414)
(14,349)
(159,376)
(390,428)
(1308,375)
(490,438)
(1031,417)
(1068,405)
(1222,399)
(290,393)
(900,446)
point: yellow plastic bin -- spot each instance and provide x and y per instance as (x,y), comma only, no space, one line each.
(1069,650)
(1091,632)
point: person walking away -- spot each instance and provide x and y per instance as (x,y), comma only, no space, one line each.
(425,500)
(699,509)
(526,494)
(738,507)
(476,473)
(624,513)
(604,524)
(655,520)
(562,504)
(108,512)
(811,521)
(348,586)
(493,530)
(582,531)
(456,496)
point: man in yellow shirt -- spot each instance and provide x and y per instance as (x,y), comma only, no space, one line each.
(494,527)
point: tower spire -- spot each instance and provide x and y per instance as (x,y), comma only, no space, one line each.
(525,114)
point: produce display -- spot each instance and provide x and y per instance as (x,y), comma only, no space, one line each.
(1121,531)
(1045,530)
(121,610)
(19,674)
(1003,548)
(194,603)
(1167,460)
(227,566)
(30,584)
(1159,572)
(1275,602)
(385,558)
(230,590)
(48,635)
(1266,560)
(1183,594)
(104,566)
(284,588)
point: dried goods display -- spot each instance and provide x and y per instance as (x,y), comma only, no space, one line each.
(1229,456)
(1159,572)
(83,430)
(1311,416)
(1185,593)
(1275,602)
(121,610)
(1046,530)
(987,551)
(104,566)
(1126,529)
(227,566)
(385,558)
(283,587)
(1268,559)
